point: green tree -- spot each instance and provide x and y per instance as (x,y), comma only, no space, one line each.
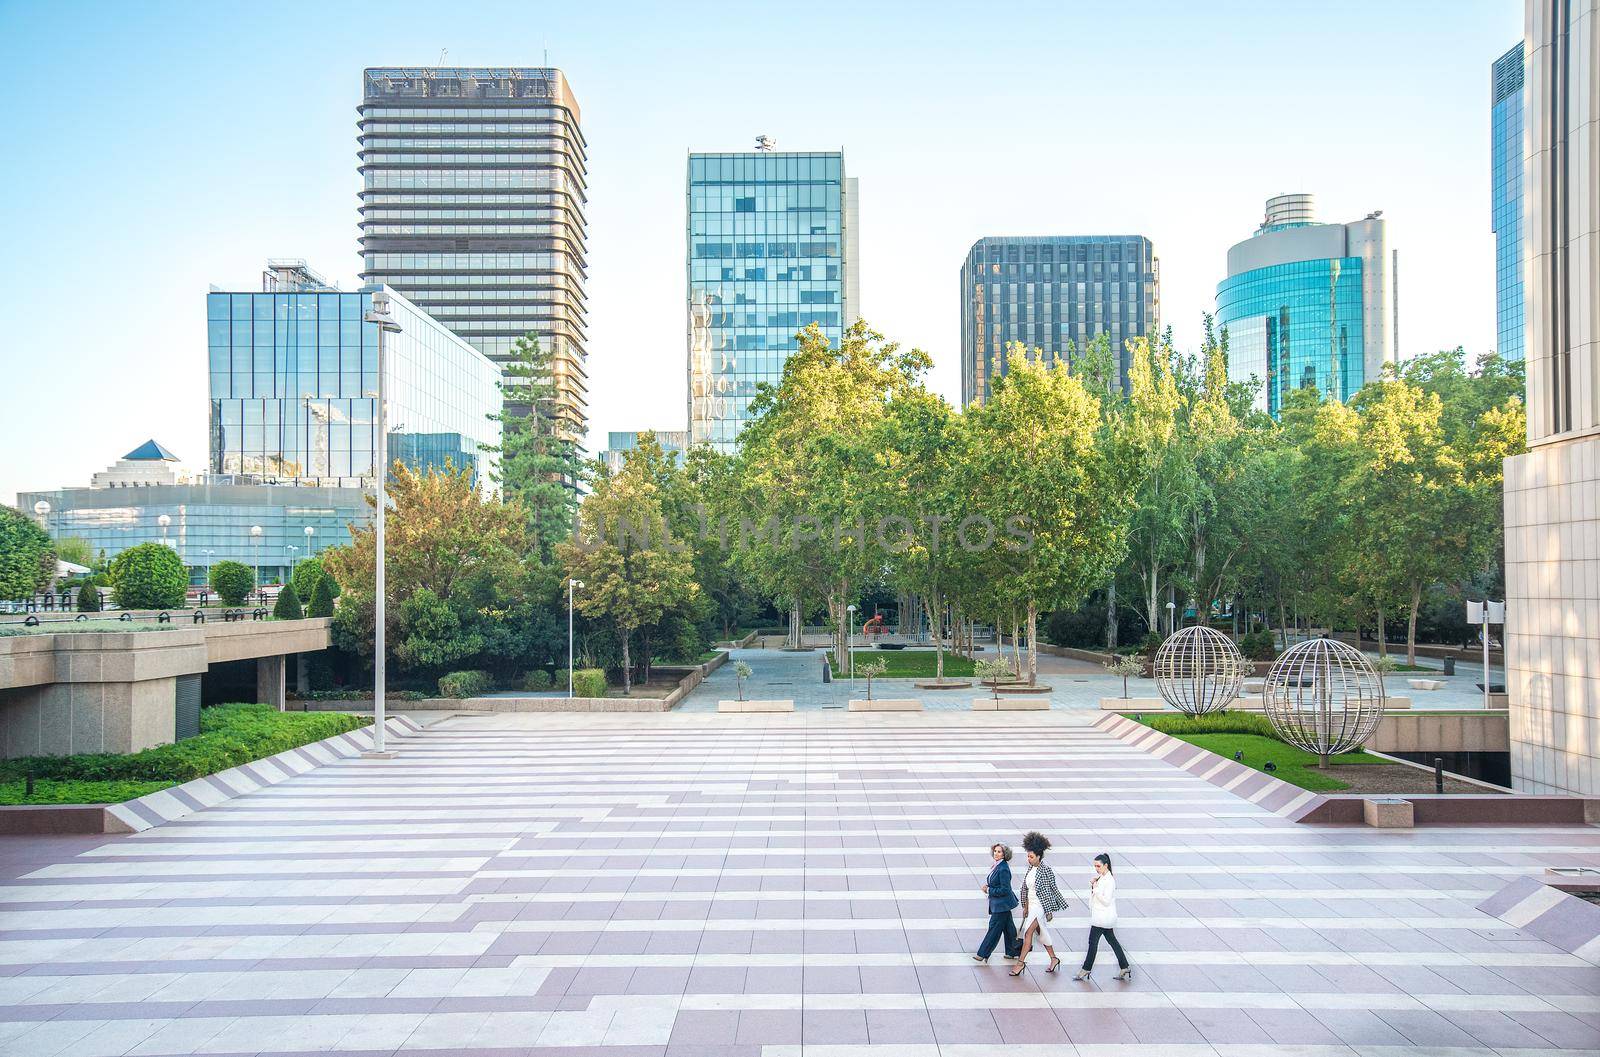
(1037,468)
(287,606)
(308,572)
(149,576)
(89,598)
(233,582)
(447,536)
(77,551)
(633,572)
(539,462)
(27,558)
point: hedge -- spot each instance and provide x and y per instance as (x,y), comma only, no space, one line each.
(1214,723)
(589,682)
(538,679)
(470,683)
(229,736)
(149,576)
(233,582)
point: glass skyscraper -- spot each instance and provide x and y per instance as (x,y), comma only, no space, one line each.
(1049,291)
(772,249)
(472,205)
(1506,101)
(1307,304)
(294,377)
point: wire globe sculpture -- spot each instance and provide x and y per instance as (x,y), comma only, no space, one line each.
(1324,696)
(1199,670)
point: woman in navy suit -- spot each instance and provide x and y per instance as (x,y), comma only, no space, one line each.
(1001,902)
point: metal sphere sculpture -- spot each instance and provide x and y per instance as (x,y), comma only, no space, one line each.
(1323,696)
(1199,670)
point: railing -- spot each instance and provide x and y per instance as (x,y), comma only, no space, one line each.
(195,616)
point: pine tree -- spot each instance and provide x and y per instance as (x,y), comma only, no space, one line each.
(288,605)
(539,465)
(322,598)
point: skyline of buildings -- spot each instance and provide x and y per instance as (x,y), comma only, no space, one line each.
(1307,303)
(1054,292)
(1506,108)
(472,205)
(772,246)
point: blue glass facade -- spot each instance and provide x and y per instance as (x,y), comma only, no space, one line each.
(294,383)
(1052,293)
(210,522)
(770,245)
(1296,325)
(1506,210)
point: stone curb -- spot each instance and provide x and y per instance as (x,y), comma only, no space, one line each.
(1273,794)
(168,805)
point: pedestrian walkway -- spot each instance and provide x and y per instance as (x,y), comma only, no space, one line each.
(770,886)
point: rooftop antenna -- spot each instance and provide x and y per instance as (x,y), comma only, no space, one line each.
(442,53)
(765,143)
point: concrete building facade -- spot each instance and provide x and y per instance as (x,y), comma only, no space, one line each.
(1552,493)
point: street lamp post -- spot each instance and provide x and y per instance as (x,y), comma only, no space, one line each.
(293,550)
(41,510)
(208,553)
(255,550)
(379,315)
(571,583)
(849,637)
(1172,618)
(164,520)
(311,552)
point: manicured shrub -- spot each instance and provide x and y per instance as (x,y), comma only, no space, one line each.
(1258,644)
(288,605)
(470,683)
(1215,723)
(149,576)
(589,682)
(89,599)
(322,599)
(308,573)
(538,679)
(229,735)
(233,582)
(27,557)
(559,679)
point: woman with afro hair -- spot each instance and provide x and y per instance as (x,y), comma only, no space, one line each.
(1041,901)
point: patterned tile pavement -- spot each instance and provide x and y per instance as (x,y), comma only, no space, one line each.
(769,886)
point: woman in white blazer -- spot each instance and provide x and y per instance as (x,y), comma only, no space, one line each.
(1103,918)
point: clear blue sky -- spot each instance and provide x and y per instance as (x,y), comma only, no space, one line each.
(155,148)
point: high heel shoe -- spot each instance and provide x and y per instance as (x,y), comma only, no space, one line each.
(979,959)
(1018,970)
(1083,974)
(1054,965)
(1126,974)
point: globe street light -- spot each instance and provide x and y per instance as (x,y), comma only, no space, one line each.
(570,585)
(164,520)
(380,317)
(41,509)
(311,551)
(208,553)
(255,548)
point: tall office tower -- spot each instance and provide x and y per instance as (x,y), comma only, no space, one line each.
(1049,290)
(772,244)
(1505,207)
(1552,493)
(1307,304)
(472,207)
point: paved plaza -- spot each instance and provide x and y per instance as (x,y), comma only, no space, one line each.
(770,886)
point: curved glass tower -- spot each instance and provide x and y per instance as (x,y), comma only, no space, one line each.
(1306,304)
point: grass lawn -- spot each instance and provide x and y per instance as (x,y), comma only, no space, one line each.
(912,664)
(1226,733)
(229,735)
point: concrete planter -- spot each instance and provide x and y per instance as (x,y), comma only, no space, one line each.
(784,705)
(886,704)
(1134,704)
(1011,704)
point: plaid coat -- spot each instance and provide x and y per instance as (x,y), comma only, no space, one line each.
(1050,901)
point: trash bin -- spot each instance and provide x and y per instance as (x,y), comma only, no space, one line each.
(1449,666)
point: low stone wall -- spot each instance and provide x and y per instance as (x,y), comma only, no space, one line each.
(1425,732)
(692,678)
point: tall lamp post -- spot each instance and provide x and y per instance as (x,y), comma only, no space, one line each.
(208,553)
(41,510)
(571,583)
(293,550)
(849,637)
(164,520)
(311,552)
(379,316)
(255,549)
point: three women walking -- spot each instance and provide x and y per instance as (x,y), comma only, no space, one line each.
(1041,901)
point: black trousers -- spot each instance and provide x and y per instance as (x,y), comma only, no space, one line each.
(1095,932)
(1001,924)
